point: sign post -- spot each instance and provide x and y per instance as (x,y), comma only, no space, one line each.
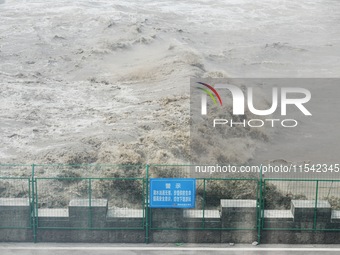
(172,193)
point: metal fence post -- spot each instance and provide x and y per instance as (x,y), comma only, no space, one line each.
(33,206)
(147,223)
(204,201)
(259,206)
(90,203)
(316,204)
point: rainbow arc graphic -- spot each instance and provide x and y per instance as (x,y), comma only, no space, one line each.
(211,91)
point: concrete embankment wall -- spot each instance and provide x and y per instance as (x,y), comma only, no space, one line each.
(236,221)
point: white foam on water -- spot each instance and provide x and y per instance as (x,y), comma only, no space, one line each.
(115,74)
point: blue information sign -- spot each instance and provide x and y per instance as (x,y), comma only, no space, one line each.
(172,193)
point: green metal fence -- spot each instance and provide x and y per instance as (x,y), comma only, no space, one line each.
(284,198)
(210,191)
(19,188)
(15,182)
(207,213)
(93,197)
(46,197)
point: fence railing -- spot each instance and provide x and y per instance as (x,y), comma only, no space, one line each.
(304,204)
(116,198)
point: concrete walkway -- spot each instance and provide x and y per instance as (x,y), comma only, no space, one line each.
(165,249)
